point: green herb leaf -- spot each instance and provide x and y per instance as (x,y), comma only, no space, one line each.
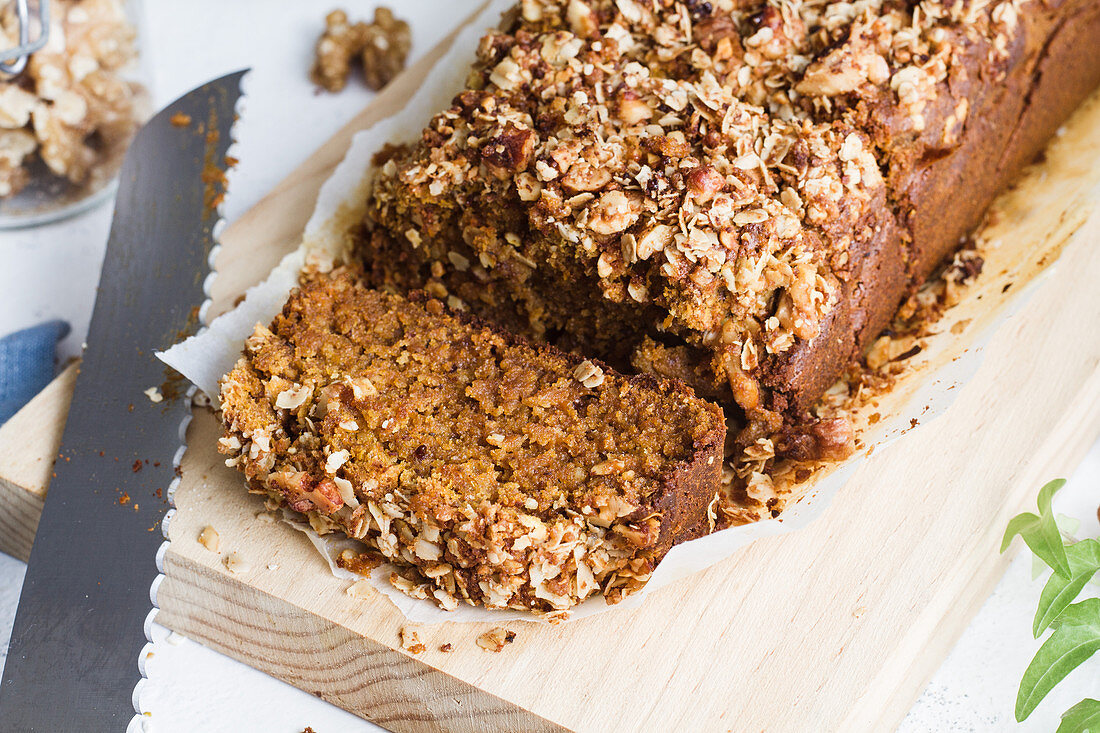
(1076,637)
(1041,532)
(1085,613)
(1084,717)
(1084,561)
(1046,495)
(1068,526)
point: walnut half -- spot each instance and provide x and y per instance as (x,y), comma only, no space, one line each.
(380,46)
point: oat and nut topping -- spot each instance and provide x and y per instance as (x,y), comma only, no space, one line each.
(699,159)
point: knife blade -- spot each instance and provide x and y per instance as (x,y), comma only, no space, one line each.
(73,659)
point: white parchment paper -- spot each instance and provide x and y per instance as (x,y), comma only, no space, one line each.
(1032,224)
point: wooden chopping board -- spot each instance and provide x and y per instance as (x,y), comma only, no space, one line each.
(835,627)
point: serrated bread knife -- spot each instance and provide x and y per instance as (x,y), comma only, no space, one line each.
(73,660)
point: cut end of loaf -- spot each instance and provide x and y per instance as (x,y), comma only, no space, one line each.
(487,470)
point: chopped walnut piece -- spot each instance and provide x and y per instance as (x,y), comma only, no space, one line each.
(385,48)
(496,639)
(410,641)
(336,47)
(508,152)
(614,212)
(829,439)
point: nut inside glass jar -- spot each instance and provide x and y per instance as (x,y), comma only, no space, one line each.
(68,115)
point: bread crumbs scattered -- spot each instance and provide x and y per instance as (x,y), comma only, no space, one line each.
(180,119)
(496,639)
(410,641)
(446,648)
(154,395)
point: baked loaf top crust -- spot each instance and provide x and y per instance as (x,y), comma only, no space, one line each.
(709,166)
(492,471)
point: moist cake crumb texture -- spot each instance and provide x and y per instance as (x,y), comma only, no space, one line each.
(488,470)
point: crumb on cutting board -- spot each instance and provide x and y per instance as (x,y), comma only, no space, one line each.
(210,539)
(410,640)
(496,639)
(236,564)
(360,589)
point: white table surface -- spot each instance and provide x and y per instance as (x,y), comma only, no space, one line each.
(52,272)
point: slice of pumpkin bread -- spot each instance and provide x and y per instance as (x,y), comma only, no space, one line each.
(488,470)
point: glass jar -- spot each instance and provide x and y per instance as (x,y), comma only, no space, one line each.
(70,107)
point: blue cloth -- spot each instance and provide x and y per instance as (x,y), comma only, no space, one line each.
(27,364)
